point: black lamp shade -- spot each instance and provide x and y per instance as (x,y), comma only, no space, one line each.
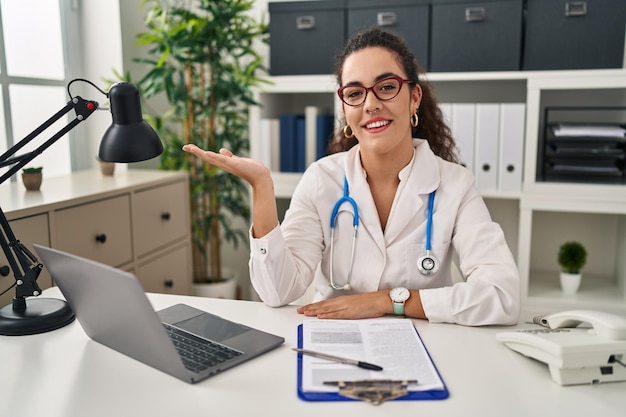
(129,138)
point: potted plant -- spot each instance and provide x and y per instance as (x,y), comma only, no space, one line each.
(572,257)
(32,177)
(203,58)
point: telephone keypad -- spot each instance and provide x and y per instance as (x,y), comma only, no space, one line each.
(538,331)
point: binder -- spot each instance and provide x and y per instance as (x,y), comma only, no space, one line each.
(325,126)
(301,146)
(310,117)
(487,140)
(289,148)
(269,144)
(335,396)
(462,127)
(512,133)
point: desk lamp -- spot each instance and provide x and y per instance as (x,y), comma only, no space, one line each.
(128,139)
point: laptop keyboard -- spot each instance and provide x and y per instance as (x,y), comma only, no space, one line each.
(198,354)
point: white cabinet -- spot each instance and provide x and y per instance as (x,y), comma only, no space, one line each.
(99,230)
(537,217)
(136,220)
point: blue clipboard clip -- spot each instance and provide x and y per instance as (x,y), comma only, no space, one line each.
(373,391)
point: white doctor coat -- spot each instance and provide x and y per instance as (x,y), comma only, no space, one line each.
(296,254)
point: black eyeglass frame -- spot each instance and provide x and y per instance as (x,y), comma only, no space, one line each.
(401,80)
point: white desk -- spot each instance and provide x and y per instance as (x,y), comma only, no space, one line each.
(65,374)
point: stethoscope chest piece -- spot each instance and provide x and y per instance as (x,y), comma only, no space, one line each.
(428,264)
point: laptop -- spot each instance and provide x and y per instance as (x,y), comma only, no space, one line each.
(112,308)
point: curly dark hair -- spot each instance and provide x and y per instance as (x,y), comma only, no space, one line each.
(432,126)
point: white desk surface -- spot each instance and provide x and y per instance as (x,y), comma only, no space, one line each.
(65,374)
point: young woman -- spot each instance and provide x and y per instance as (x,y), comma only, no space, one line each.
(394,173)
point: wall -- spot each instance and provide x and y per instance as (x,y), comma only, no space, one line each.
(100,46)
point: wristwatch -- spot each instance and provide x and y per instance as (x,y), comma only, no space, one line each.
(399,295)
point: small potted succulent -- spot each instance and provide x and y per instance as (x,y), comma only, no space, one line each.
(32,177)
(572,257)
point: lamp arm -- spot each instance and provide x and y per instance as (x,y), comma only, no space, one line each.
(29,268)
(83,108)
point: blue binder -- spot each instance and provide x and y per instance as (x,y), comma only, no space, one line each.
(335,396)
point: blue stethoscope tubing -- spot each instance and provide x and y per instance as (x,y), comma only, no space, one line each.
(355,226)
(427,264)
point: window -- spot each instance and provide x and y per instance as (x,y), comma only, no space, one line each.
(33,78)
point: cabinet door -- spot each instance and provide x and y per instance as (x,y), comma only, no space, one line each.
(160,217)
(168,273)
(100,231)
(27,230)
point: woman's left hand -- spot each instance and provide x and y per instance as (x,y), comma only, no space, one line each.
(354,306)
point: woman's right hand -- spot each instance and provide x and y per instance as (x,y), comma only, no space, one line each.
(264,212)
(248,169)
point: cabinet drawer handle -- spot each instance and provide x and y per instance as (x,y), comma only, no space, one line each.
(101,238)
(165,216)
(486,167)
(510,168)
(4,270)
(475,14)
(386,18)
(168,283)
(575,8)
(305,22)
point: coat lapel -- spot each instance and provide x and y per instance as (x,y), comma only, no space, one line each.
(420,180)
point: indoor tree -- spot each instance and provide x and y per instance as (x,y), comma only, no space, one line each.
(202,56)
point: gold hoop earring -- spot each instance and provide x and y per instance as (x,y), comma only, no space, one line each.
(414,119)
(347,132)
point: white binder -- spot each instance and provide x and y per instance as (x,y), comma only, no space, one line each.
(463,131)
(487,138)
(512,134)
(310,123)
(269,144)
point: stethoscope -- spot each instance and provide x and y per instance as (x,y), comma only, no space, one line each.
(427,264)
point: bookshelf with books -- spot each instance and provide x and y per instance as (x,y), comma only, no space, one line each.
(536,215)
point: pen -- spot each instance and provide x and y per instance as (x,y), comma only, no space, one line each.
(360,364)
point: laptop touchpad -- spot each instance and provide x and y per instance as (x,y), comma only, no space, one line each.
(212,327)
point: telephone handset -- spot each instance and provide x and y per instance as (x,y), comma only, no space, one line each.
(575,355)
(606,325)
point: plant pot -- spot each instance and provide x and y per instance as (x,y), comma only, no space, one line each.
(107,168)
(32,180)
(222,289)
(570,282)
(226,288)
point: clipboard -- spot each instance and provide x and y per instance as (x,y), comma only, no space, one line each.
(336,396)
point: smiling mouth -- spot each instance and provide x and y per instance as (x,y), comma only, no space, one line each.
(377,124)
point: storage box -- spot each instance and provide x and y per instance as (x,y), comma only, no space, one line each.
(407,18)
(476,35)
(566,34)
(305,36)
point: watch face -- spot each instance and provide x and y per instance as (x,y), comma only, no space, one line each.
(399,294)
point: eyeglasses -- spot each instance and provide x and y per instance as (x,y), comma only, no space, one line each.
(384,90)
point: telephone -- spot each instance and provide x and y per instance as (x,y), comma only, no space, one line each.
(575,355)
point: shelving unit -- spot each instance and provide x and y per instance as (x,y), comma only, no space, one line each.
(544,214)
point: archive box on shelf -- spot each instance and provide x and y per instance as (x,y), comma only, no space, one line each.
(566,34)
(305,36)
(476,35)
(408,18)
